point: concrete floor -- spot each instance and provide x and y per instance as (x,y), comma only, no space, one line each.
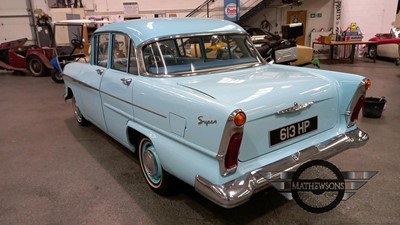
(52,171)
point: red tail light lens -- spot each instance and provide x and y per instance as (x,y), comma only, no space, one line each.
(357,108)
(231,157)
(368,84)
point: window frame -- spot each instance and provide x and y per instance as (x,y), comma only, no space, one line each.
(96,46)
(131,49)
(127,54)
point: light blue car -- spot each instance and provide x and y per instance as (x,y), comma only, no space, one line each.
(197,102)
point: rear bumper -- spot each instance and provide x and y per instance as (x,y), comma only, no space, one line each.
(240,190)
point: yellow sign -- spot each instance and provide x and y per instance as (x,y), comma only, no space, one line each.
(353,27)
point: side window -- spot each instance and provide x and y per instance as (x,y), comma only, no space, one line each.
(120,47)
(101,54)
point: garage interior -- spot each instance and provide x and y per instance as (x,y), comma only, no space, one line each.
(53,171)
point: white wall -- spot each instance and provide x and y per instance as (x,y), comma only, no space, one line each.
(40,4)
(276,15)
(372,16)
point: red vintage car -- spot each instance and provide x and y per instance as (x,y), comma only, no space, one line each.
(15,55)
(387,45)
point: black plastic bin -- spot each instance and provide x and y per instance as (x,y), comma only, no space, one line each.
(373,107)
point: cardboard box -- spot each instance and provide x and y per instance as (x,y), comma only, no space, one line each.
(325,39)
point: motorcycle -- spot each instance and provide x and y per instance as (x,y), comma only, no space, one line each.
(279,51)
(276,49)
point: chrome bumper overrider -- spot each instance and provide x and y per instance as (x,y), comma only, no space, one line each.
(240,190)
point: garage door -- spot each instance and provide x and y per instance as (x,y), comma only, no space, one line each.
(15,20)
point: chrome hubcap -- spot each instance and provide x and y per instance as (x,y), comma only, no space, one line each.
(149,163)
(372,52)
(36,66)
(77,113)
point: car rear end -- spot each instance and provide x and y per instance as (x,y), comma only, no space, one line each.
(293,121)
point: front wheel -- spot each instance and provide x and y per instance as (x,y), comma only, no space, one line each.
(36,66)
(78,115)
(372,50)
(56,76)
(159,180)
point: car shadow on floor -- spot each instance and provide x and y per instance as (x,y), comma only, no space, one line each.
(186,206)
(123,166)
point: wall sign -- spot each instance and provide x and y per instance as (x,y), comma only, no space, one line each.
(231,10)
(131,8)
(336,16)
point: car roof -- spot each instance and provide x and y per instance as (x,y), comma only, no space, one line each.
(143,30)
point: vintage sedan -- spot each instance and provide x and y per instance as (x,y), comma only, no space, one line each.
(387,46)
(225,123)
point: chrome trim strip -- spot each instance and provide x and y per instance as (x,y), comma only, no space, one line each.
(148,110)
(130,103)
(361,90)
(79,82)
(122,113)
(113,96)
(238,191)
(162,38)
(194,89)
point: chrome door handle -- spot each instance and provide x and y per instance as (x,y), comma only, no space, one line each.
(126,81)
(100,71)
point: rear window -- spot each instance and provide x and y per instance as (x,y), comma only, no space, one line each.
(193,55)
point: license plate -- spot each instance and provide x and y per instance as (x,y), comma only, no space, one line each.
(293,130)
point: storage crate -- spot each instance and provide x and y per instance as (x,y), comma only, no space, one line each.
(325,39)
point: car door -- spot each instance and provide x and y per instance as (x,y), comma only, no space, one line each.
(91,77)
(117,87)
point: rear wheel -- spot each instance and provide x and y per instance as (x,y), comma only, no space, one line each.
(159,180)
(56,76)
(78,115)
(36,66)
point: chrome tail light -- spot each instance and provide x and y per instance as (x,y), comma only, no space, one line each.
(228,154)
(357,102)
